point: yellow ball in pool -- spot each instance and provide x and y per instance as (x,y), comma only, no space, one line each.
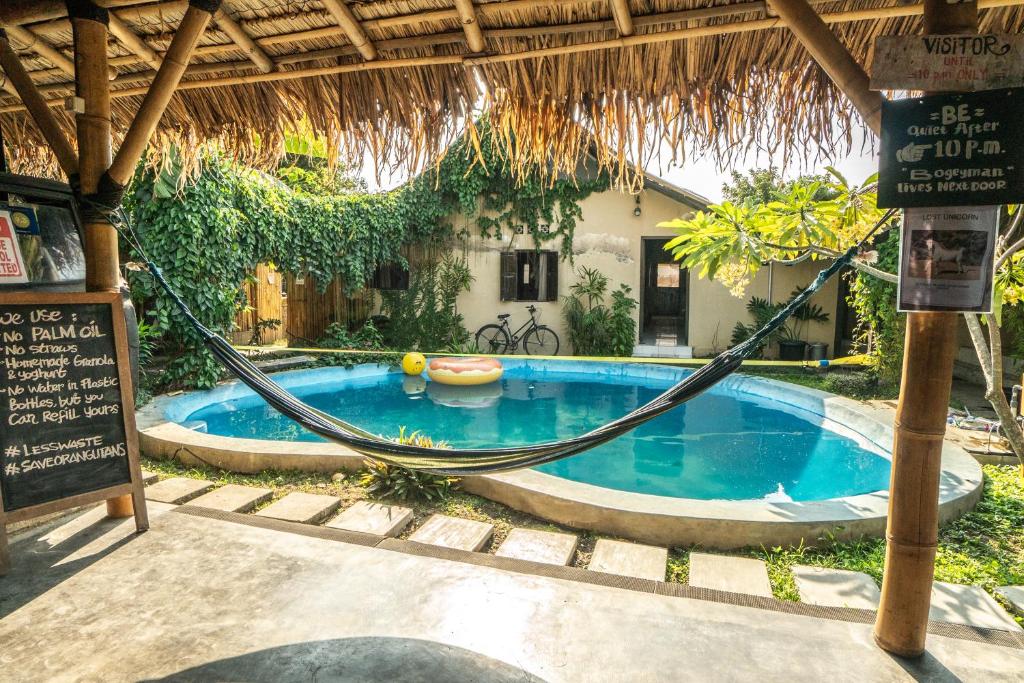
(413,363)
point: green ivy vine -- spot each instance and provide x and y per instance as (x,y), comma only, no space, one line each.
(209,233)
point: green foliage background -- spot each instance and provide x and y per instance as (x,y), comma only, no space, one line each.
(209,233)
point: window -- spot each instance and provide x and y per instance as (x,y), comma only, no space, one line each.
(529,275)
(390,276)
(668,275)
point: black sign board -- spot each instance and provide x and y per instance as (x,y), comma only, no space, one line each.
(963,149)
(67,421)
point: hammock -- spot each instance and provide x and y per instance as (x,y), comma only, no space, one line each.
(458,462)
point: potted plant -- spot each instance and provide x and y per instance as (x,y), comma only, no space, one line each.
(793,335)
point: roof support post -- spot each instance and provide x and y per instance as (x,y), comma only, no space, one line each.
(92,86)
(912,533)
(37,108)
(623,19)
(175,61)
(352,28)
(470,25)
(832,56)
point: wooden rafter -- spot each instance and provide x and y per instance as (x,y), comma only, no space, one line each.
(623,19)
(352,28)
(33,42)
(243,40)
(470,25)
(124,33)
(679,34)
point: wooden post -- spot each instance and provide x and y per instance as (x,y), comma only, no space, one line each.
(912,535)
(832,56)
(37,108)
(92,86)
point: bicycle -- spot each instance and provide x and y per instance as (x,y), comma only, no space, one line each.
(538,340)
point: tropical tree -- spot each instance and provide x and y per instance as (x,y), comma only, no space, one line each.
(821,218)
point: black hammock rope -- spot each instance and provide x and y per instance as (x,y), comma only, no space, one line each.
(464,461)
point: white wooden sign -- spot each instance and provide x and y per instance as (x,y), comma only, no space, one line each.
(947,256)
(960,63)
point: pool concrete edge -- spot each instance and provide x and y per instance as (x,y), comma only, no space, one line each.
(660,520)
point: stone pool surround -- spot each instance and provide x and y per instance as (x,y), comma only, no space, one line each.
(721,524)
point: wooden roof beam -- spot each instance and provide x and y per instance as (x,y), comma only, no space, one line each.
(243,40)
(37,108)
(623,19)
(352,28)
(33,42)
(470,25)
(833,57)
(120,30)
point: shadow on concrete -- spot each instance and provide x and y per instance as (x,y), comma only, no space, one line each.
(926,668)
(44,557)
(396,660)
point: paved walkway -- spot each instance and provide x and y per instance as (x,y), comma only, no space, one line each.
(201,599)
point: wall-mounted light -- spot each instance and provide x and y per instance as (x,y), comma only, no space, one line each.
(636,211)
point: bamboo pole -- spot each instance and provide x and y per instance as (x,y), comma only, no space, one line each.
(912,534)
(623,19)
(687,33)
(244,41)
(352,28)
(102,272)
(124,33)
(33,42)
(37,108)
(470,25)
(159,93)
(832,56)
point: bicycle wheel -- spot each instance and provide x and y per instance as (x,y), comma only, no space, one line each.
(492,339)
(541,341)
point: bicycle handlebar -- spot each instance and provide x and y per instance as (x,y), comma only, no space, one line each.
(531,308)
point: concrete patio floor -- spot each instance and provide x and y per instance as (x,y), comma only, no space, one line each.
(197,599)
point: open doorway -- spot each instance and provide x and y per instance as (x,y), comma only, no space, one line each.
(663,301)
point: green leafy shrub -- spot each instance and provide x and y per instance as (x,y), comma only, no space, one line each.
(596,329)
(864,385)
(880,329)
(392,481)
(794,329)
(367,338)
(425,316)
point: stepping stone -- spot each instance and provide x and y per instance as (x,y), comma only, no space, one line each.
(177,490)
(149,478)
(548,547)
(969,605)
(732,574)
(307,508)
(451,532)
(233,498)
(836,587)
(373,518)
(629,559)
(1013,595)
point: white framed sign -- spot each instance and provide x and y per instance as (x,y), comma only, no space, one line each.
(12,264)
(960,63)
(947,259)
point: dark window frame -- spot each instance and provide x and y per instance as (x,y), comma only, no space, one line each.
(519,279)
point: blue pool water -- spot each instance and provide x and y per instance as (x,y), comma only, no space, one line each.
(729,443)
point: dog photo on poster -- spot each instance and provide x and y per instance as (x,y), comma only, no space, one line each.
(947,259)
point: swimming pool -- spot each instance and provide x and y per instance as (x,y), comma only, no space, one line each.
(727,444)
(753,461)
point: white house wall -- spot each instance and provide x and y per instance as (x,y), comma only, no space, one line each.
(609,238)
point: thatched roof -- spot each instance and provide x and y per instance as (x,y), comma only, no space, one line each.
(397,78)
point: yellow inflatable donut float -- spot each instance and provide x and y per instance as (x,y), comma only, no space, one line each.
(464,371)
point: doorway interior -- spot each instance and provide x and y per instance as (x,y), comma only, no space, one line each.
(663,299)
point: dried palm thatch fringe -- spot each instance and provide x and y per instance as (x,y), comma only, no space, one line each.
(721,94)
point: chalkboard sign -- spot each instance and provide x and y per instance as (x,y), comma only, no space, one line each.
(67,421)
(962,149)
